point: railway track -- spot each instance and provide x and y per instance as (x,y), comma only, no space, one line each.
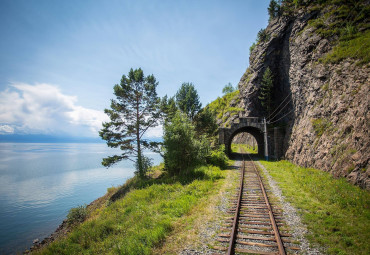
(254,225)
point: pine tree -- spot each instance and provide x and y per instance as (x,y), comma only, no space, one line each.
(228,89)
(133,112)
(168,107)
(187,100)
(265,96)
(273,9)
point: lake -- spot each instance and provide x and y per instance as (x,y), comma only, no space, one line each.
(40,182)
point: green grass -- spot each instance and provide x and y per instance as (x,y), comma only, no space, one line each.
(356,48)
(141,220)
(221,106)
(336,213)
(320,125)
(345,24)
(246,148)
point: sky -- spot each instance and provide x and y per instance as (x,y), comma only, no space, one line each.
(59,60)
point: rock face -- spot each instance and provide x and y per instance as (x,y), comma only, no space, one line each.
(322,108)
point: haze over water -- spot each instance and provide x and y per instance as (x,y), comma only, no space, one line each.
(40,182)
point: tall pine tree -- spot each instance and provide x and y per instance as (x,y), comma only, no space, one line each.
(132,113)
(265,96)
(187,100)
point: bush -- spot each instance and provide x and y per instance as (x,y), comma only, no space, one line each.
(205,123)
(320,125)
(146,164)
(262,36)
(182,150)
(77,215)
(218,157)
(252,48)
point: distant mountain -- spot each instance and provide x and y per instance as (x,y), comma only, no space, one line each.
(16,138)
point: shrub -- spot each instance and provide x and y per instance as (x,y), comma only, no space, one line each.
(205,123)
(262,36)
(182,150)
(221,106)
(252,48)
(146,164)
(77,215)
(320,125)
(218,157)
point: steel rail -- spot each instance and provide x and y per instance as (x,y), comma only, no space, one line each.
(272,218)
(231,249)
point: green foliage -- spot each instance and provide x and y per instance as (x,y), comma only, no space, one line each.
(182,150)
(273,9)
(146,164)
(187,100)
(168,107)
(356,48)
(253,46)
(336,212)
(228,89)
(77,215)
(218,157)
(221,106)
(135,109)
(245,148)
(320,125)
(262,36)
(266,91)
(141,220)
(340,22)
(205,123)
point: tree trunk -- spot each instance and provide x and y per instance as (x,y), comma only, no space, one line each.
(139,158)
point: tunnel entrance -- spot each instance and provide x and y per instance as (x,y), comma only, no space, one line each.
(251,125)
(244,143)
(250,137)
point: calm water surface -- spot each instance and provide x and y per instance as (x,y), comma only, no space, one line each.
(39,183)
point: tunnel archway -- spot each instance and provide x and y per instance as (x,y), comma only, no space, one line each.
(246,141)
(255,132)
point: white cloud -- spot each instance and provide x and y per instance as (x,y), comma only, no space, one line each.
(43,108)
(155,132)
(6,129)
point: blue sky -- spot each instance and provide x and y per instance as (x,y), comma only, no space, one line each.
(60,59)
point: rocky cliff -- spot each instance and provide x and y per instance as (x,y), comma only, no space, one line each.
(319,57)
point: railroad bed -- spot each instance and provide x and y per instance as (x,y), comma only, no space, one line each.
(255,226)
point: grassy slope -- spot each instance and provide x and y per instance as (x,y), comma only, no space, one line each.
(337,213)
(221,106)
(142,219)
(345,24)
(198,229)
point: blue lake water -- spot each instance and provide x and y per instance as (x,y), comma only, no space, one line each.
(40,182)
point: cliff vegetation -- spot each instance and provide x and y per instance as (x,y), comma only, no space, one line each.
(318,53)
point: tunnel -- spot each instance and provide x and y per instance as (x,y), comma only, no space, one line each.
(254,132)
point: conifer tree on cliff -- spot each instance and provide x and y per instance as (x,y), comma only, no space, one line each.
(132,113)
(265,96)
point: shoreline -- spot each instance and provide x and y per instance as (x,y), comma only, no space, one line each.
(63,229)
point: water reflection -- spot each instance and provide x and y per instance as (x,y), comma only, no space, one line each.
(39,183)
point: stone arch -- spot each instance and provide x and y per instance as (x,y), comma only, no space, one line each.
(254,131)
